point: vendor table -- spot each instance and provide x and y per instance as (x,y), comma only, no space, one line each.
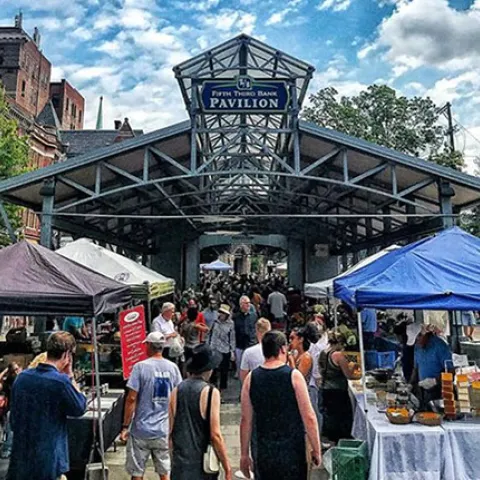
(400,452)
(80,430)
(462,446)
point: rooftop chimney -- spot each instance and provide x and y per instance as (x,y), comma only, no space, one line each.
(18,20)
(36,37)
(118,124)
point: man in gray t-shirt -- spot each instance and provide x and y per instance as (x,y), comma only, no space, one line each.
(150,386)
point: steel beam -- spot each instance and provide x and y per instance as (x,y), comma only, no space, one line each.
(48,193)
(321,161)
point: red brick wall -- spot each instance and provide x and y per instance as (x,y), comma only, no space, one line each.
(69,105)
(33,79)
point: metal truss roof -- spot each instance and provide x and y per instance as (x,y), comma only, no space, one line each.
(145,188)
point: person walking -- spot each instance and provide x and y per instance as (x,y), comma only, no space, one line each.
(222,340)
(253,356)
(245,320)
(277,303)
(195,420)
(275,403)
(211,312)
(149,389)
(164,324)
(42,398)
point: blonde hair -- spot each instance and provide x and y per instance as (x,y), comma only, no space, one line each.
(263,326)
(168,306)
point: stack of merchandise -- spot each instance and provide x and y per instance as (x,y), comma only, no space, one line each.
(463,394)
(475,397)
(448,395)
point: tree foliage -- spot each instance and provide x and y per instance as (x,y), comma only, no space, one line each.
(13,161)
(379,115)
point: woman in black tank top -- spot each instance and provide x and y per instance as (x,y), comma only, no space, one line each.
(337,406)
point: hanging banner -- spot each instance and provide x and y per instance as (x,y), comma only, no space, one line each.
(245,94)
(133,333)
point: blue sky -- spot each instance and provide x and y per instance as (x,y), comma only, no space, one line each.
(125,49)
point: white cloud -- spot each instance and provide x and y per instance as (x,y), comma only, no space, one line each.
(335,5)
(82,33)
(431,33)
(464,86)
(278,17)
(199,5)
(135,18)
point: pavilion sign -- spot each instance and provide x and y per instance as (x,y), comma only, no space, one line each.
(245,94)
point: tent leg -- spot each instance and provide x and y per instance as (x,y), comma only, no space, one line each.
(98,396)
(335,313)
(364,373)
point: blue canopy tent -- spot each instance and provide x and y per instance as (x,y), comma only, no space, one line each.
(441,272)
(436,273)
(217,266)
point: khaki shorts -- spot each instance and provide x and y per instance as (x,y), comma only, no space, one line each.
(139,451)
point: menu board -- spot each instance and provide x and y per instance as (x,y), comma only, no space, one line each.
(133,333)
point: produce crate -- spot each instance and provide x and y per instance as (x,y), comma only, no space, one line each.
(374,359)
(350,460)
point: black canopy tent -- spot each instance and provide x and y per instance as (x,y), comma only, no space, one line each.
(38,281)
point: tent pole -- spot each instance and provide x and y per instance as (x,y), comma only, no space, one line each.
(149,308)
(98,396)
(335,313)
(364,373)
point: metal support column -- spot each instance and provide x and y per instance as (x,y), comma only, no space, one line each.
(296,136)
(192,263)
(48,193)
(193,132)
(446,193)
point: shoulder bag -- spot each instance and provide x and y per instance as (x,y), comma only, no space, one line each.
(211,464)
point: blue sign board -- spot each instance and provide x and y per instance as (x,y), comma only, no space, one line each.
(245,94)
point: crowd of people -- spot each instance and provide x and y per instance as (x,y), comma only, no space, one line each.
(293,370)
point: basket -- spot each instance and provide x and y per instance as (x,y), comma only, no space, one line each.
(399,419)
(429,420)
(350,460)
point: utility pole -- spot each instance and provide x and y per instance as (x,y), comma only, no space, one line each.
(447,111)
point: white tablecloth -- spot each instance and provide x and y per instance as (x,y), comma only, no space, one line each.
(402,452)
(462,448)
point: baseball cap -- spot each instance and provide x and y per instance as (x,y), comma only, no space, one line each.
(413,329)
(155,337)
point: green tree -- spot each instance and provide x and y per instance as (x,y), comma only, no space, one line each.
(13,161)
(379,115)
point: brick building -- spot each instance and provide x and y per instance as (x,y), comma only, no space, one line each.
(25,74)
(51,114)
(69,105)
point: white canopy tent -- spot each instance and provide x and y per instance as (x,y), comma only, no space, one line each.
(143,280)
(324,288)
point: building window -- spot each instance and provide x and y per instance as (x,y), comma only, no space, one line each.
(24,86)
(67,105)
(1,59)
(79,116)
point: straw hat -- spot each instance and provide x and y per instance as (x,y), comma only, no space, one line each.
(224,309)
